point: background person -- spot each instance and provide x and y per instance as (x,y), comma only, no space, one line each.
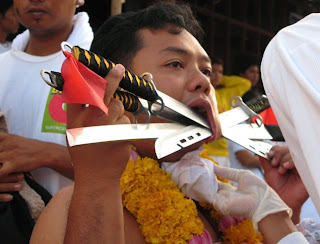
(34,112)
(8,24)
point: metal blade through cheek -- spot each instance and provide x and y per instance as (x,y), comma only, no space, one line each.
(183,110)
(260,148)
(173,142)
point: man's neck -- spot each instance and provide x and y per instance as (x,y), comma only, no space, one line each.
(44,45)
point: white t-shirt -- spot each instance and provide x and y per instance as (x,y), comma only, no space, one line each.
(32,108)
(5,47)
(291,77)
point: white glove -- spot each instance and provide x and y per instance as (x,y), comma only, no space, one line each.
(194,175)
(252,199)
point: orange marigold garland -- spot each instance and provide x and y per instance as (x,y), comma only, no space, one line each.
(164,213)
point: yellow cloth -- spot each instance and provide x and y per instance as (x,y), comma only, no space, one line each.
(232,86)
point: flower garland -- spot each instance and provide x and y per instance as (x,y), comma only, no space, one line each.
(233,229)
(163,212)
(161,209)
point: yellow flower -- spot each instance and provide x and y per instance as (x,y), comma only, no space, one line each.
(163,212)
(242,232)
(165,215)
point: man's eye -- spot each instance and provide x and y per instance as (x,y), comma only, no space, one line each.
(176,65)
(207,72)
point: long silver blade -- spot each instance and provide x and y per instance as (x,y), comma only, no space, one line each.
(173,142)
(168,114)
(182,109)
(105,133)
(232,117)
(258,147)
(251,131)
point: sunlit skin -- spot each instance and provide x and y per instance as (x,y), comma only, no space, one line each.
(47,21)
(181,69)
(216,74)
(252,74)
(41,16)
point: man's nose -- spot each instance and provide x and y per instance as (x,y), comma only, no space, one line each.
(200,82)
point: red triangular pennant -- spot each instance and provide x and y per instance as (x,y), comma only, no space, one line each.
(81,85)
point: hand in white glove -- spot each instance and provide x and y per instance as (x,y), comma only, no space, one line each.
(194,175)
(252,199)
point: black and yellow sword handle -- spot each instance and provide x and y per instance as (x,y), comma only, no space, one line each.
(130,102)
(130,82)
(258,104)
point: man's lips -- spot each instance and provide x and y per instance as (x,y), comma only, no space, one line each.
(204,106)
(37,12)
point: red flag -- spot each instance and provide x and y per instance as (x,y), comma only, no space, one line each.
(268,117)
(81,85)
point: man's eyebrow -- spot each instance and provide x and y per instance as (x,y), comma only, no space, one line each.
(206,58)
(175,50)
(183,52)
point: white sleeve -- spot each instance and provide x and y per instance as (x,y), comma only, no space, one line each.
(295,237)
(290,72)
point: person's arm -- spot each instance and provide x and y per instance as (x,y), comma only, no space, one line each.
(255,200)
(275,227)
(283,177)
(50,227)
(96,211)
(20,154)
(91,211)
(247,159)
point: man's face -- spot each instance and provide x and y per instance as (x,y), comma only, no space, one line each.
(181,69)
(216,74)
(252,74)
(45,16)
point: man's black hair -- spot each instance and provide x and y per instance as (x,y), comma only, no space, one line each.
(216,60)
(243,61)
(5,5)
(118,39)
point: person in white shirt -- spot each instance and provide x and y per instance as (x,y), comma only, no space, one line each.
(34,112)
(8,24)
(290,74)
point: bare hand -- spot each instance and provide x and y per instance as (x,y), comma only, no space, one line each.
(280,157)
(106,159)
(20,154)
(17,154)
(10,183)
(287,183)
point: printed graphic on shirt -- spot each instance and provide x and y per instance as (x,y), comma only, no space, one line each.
(55,115)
